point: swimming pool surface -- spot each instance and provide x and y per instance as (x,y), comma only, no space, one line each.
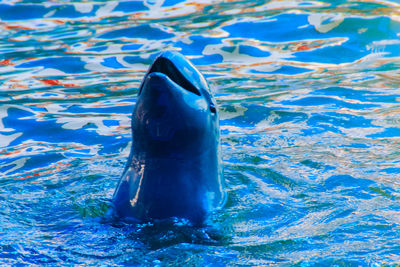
(309,101)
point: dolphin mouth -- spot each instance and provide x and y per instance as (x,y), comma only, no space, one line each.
(167,67)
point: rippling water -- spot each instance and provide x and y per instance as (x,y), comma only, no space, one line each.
(308,93)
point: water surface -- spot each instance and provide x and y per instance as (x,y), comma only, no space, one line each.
(308,95)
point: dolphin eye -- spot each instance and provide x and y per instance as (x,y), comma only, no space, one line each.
(212,108)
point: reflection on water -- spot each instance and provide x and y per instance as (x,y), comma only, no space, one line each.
(308,95)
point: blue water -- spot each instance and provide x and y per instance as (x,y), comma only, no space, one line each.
(308,94)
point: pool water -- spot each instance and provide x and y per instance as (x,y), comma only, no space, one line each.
(308,94)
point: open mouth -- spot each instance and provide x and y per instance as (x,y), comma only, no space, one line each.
(165,66)
(181,72)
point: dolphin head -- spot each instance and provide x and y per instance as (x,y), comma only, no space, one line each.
(173,169)
(175,115)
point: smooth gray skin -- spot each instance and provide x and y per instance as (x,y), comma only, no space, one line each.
(174,166)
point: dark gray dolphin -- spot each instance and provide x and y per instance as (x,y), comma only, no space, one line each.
(174,165)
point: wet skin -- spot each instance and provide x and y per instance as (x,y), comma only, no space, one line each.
(173,168)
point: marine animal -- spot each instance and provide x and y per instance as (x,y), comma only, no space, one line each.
(174,167)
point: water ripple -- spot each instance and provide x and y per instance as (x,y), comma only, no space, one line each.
(309,114)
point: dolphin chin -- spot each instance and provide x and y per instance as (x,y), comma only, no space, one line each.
(173,169)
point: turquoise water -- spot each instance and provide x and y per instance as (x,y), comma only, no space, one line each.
(308,94)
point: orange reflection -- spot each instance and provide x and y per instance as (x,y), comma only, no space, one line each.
(197,6)
(11,27)
(6,62)
(117,88)
(57,167)
(57,82)
(20,86)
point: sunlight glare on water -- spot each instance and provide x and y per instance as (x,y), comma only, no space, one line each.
(308,95)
